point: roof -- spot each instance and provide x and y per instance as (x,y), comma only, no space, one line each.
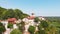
(31,17)
(12,19)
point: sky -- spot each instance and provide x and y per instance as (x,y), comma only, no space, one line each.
(38,7)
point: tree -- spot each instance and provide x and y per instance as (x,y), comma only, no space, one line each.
(31,29)
(16,31)
(46,27)
(18,13)
(21,26)
(2,11)
(2,28)
(9,14)
(36,19)
(10,25)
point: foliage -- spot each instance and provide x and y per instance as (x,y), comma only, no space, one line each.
(21,26)
(11,13)
(16,31)
(37,32)
(1,24)
(44,24)
(2,10)
(46,28)
(31,29)
(2,28)
(41,29)
(36,19)
(55,21)
(10,25)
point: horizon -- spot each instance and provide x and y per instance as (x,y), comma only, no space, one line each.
(39,7)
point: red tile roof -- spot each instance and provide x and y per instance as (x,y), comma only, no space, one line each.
(12,20)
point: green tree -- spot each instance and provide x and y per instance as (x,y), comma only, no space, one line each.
(10,25)
(16,31)
(31,29)
(2,28)
(2,11)
(9,14)
(36,19)
(18,13)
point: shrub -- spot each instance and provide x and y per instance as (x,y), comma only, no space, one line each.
(40,30)
(2,28)
(42,27)
(31,29)
(16,31)
(36,19)
(21,26)
(44,24)
(1,24)
(37,32)
(10,25)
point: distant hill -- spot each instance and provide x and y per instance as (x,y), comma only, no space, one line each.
(53,19)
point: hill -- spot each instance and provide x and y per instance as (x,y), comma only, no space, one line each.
(11,13)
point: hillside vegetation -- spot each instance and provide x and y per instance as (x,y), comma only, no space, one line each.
(11,13)
(55,21)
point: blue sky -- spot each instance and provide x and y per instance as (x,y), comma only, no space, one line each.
(39,7)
